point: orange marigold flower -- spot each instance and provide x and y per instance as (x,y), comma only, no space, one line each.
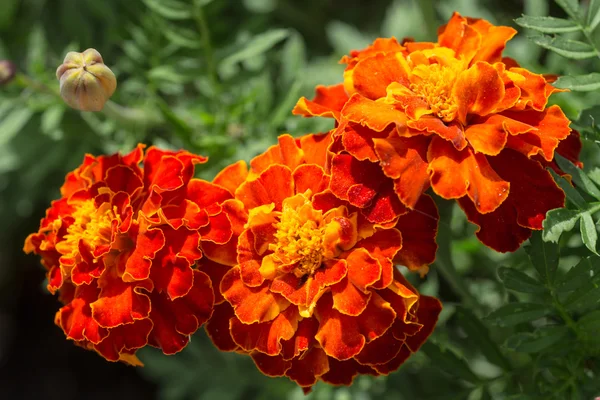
(121,246)
(313,293)
(454,116)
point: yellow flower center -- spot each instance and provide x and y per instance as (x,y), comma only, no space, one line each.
(92,225)
(299,238)
(434,84)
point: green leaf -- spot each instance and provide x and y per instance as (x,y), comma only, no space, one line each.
(519,282)
(593,14)
(586,297)
(558,221)
(518,313)
(293,57)
(258,45)
(12,124)
(571,193)
(563,220)
(565,47)
(580,274)
(589,325)
(541,339)
(589,235)
(479,335)
(579,177)
(51,118)
(548,24)
(183,37)
(170,9)
(449,362)
(579,83)
(344,37)
(543,256)
(571,7)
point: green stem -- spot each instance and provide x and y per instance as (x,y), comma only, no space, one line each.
(444,260)
(200,19)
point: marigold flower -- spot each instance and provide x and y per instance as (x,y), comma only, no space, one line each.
(121,246)
(313,293)
(455,116)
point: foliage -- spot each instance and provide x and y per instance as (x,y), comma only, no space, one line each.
(219,78)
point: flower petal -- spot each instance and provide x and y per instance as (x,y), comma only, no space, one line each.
(456,173)
(376,115)
(273,185)
(371,76)
(478,90)
(232,176)
(251,304)
(328,102)
(419,230)
(405,161)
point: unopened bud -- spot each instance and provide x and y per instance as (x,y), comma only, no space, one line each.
(85,82)
(7,71)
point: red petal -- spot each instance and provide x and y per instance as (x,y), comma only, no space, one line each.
(552,127)
(120,302)
(373,114)
(405,161)
(328,102)
(460,37)
(285,153)
(217,327)
(381,246)
(315,148)
(272,186)
(251,304)
(347,299)
(343,336)
(310,177)
(456,173)
(427,314)
(478,90)
(76,320)
(372,75)
(358,140)
(343,372)
(419,229)
(306,370)
(453,132)
(123,339)
(232,176)
(265,337)
(175,320)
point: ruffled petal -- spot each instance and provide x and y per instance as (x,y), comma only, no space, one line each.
(328,102)
(458,173)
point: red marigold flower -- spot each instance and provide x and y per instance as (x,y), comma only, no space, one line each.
(454,116)
(313,293)
(121,246)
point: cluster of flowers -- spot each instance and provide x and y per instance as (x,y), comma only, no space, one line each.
(292,260)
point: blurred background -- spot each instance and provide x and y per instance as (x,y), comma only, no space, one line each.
(219,78)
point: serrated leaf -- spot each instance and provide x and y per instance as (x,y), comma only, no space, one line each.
(183,37)
(259,44)
(579,83)
(479,335)
(593,14)
(587,269)
(563,220)
(571,7)
(544,257)
(586,297)
(589,325)
(293,56)
(558,221)
(537,341)
(170,9)
(571,193)
(518,313)
(519,282)
(547,24)
(579,177)
(449,362)
(589,235)
(13,123)
(568,48)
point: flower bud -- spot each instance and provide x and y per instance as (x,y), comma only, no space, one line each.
(85,82)
(7,71)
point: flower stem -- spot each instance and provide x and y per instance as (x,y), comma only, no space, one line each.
(202,25)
